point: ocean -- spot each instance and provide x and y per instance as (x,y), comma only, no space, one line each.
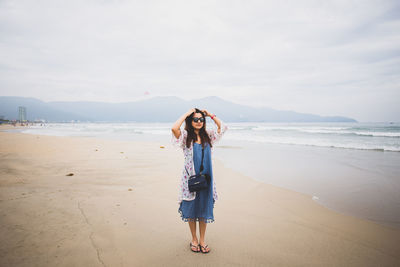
(368,136)
(352,168)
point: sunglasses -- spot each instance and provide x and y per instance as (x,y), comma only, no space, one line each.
(198,119)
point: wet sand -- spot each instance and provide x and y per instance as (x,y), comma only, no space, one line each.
(361,183)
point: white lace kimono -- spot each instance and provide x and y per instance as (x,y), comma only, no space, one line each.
(184,193)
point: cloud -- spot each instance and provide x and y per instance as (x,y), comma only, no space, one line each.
(310,56)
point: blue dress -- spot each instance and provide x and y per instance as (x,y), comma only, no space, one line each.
(201,208)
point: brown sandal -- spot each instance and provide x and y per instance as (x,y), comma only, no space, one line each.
(195,247)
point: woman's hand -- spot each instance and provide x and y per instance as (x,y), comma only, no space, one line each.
(206,113)
(192,110)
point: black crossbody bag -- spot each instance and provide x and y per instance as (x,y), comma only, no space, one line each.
(199,181)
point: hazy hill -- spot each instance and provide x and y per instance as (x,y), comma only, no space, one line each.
(35,109)
(157,109)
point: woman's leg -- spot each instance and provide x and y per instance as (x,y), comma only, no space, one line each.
(203,226)
(192,226)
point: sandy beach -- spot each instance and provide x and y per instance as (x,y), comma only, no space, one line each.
(119,208)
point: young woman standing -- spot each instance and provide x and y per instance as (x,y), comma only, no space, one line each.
(195,140)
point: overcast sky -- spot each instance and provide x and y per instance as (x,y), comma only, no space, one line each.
(321,57)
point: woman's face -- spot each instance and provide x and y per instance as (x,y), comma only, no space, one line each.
(197,125)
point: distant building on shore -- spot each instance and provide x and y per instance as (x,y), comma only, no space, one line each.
(22,114)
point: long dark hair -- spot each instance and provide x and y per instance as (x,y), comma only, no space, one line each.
(192,137)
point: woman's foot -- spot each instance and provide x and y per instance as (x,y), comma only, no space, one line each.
(204,248)
(194,246)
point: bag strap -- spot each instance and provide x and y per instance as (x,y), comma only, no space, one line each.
(202,157)
(201,166)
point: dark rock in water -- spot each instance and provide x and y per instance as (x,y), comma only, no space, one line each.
(70,174)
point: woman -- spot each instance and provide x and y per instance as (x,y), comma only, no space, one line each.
(195,140)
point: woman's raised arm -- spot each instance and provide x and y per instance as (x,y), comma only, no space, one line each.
(177,125)
(214,118)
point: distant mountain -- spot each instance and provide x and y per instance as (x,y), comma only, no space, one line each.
(35,109)
(157,109)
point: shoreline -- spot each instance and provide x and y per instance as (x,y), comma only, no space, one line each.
(93,218)
(358,183)
(359,206)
